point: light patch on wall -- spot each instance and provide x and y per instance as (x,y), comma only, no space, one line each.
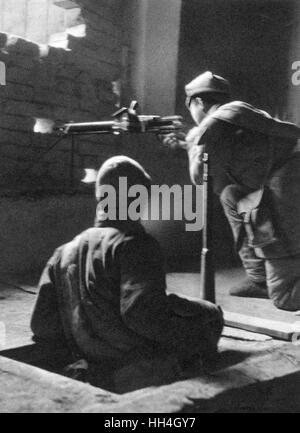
(46,22)
(2,74)
(43,126)
(74,24)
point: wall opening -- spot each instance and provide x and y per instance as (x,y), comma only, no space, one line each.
(42,21)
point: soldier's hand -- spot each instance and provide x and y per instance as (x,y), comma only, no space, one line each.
(180,140)
(174,140)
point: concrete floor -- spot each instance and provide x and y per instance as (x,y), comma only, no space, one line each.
(16,305)
(188,284)
(255,357)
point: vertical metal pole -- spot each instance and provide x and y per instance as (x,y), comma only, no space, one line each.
(207,279)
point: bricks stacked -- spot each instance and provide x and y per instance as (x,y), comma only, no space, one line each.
(47,82)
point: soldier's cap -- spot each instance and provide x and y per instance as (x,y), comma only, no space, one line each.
(207,83)
(121,166)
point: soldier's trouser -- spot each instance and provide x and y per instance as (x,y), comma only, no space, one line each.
(158,365)
(282,275)
(203,321)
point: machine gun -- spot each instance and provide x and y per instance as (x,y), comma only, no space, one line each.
(125,120)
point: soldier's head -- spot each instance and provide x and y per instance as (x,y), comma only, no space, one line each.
(121,167)
(204,92)
(120,174)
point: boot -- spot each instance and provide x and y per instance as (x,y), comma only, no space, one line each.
(77,371)
(250,289)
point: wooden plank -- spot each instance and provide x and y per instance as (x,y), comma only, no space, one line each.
(276,329)
(242,335)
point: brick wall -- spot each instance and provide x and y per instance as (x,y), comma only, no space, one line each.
(57,84)
(66,85)
(43,202)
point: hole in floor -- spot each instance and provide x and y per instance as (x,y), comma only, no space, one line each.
(57,359)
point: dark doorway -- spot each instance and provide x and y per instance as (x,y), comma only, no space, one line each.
(246,41)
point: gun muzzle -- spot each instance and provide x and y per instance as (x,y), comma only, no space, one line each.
(105,127)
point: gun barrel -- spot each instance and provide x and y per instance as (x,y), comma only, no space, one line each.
(105,127)
(153,124)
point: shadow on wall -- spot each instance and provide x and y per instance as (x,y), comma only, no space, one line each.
(182,248)
(31,229)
